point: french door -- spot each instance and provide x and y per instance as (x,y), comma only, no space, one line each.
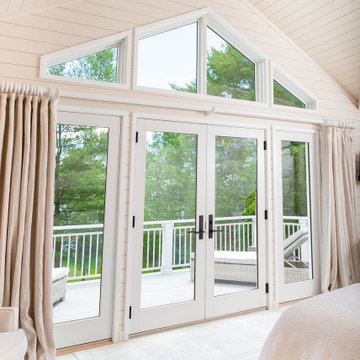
(83,242)
(198,241)
(296,223)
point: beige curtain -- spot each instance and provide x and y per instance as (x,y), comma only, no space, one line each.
(27,151)
(340,247)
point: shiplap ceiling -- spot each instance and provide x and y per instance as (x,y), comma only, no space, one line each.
(327,30)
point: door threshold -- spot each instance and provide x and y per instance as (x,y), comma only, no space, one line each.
(87,346)
(172,327)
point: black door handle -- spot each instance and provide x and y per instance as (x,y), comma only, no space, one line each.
(211,227)
(201,228)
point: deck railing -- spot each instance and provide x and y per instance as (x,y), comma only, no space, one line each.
(167,244)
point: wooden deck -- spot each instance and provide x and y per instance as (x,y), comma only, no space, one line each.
(82,298)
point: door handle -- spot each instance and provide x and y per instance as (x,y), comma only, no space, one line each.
(211,227)
(201,228)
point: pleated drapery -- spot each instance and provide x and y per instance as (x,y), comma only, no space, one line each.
(340,245)
(27,155)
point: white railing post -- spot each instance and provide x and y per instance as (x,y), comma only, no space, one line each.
(303,223)
(253,232)
(167,247)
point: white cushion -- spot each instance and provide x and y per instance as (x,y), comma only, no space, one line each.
(9,319)
(59,273)
(236,257)
(294,237)
(13,345)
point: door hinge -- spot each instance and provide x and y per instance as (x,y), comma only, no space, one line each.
(266,214)
(129,312)
(265,145)
(133,222)
(137,137)
(267,288)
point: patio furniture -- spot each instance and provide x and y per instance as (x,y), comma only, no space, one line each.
(240,266)
(59,279)
(13,341)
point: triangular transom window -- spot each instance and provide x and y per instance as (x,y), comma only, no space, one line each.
(282,96)
(198,53)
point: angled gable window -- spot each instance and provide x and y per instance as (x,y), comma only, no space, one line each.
(230,74)
(100,66)
(199,53)
(104,61)
(287,92)
(282,96)
(168,60)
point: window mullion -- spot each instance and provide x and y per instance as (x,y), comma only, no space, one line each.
(202,55)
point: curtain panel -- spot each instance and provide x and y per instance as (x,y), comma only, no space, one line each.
(340,246)
(27,153)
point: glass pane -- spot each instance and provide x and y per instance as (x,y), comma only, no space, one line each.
(229,73)
(169,215)
(101,66)
(235,251)
(169,60)
(79,201)
(283,96)
(296,212)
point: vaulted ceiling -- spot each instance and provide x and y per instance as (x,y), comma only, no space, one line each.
(327,30)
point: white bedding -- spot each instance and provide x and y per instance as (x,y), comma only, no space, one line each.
(325,327)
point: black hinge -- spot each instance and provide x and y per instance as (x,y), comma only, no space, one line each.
(267,288)
(133,224)
(265,145)
(137,137)
(129,312)
(266,214)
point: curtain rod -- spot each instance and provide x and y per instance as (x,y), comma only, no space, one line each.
(208,110)
(28,89)
(340,124)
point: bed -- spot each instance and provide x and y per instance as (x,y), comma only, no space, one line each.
(325,327)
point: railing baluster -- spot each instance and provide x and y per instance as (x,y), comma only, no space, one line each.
(147,248)
(89,268)
(83,257)
(61,249)
(154,248)
(76,251)
(68,254)
(97,254)
(160,247)
(54,248)
(185,247)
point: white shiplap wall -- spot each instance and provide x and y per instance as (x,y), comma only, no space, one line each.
(328,31)
(24,38)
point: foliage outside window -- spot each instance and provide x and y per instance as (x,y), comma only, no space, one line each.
(294,158)
(100,66)
(282,96)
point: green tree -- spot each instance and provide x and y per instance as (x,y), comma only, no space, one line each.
(101,66)
(229,74)
(80,175)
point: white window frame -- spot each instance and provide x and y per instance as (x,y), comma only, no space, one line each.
(207,17)
(121,40)
(291,85)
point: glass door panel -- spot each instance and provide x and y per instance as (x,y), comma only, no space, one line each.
(79,204)
(235,255)
(85,203)
(296,212)
(168,256)
(168,238)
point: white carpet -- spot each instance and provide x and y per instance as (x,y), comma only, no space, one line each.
(238,337)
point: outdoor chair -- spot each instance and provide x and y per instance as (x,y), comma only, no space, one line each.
(240,266)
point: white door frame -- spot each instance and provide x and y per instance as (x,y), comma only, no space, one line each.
(192,310)
(132,305)
(303,289)
(93,329)
(249,299)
